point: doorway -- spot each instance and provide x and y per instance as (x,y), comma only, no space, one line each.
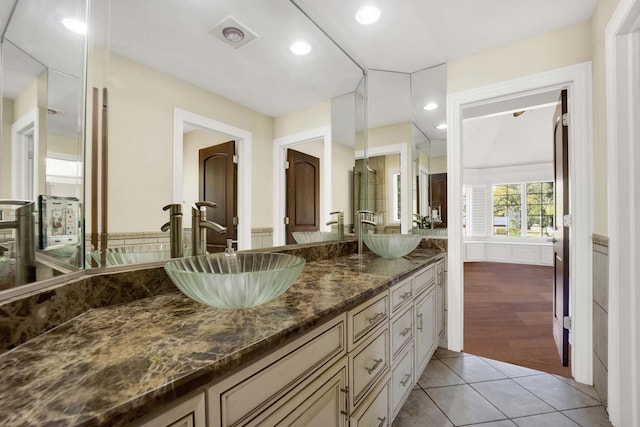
(303,194)
(25,149)
(218,179)
(185,120)
(623,184)
(508,177)
(320,137)
(577,80)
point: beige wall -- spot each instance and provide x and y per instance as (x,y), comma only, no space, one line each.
(555,49)
(63,144)
(599,21)
(343,159)
(5,148)
(311,117)
(439,164)
(141,140)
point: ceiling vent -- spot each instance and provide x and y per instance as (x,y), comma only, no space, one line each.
(233,33)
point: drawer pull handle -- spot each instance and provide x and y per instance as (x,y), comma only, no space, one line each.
(405,332)
(405,380)
(376,318)
(375,365)
(420,321)
(383,421)
(405,295)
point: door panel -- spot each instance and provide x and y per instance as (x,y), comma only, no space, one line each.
(303,193)
(218,184)
(439,196)
(561,233)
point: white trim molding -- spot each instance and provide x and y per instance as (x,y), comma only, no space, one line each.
(577,79)
(280,146)
(622,48)
(383,150)
(29,124)
(243,138)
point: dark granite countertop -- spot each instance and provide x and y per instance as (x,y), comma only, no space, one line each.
(111,365)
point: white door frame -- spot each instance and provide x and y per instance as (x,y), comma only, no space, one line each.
(243,137)
(577,79)
(27,125)
(622,45)
(280,146)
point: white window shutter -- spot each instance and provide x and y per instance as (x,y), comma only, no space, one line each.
(477,222)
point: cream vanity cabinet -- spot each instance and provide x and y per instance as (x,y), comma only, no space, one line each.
(440,299)
(185,412)
(357,369)
(303,383)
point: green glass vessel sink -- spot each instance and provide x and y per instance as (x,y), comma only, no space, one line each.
(241,280)
(138,254)
(438,232)
(314,236)
(391,245)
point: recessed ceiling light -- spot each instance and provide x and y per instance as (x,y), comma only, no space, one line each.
(75,25)
(441,126)
(233,34)
(367,14)
(300,47)
(431,106)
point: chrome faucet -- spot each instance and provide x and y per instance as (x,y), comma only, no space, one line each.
(339,222)
(25,239)
(175,229)
(198,222)
(361,220)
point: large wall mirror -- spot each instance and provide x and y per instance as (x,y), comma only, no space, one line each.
(164,92)
(41,145)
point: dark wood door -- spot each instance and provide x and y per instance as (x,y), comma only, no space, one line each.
(561,231)
(439,196)
(303,193)
(218,184)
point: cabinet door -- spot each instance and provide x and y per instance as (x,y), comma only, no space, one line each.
(440,290)
(322,404)
(425,330)
(188,412)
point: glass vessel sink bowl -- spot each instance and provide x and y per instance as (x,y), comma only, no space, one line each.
(391,245)
(241,280)
(314,236)
(440,232)
(138,254)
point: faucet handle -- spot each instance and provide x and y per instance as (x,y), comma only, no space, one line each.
(336,213)
(176,208)
(206,204)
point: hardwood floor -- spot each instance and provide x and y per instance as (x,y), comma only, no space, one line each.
(508,315)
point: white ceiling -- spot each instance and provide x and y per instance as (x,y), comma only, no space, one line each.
(173,37)
(500,139)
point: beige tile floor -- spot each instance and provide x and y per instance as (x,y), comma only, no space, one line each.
(459,389)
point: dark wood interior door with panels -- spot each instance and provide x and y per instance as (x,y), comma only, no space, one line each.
(303,194)
(439,197)
(218,184)
(561,229)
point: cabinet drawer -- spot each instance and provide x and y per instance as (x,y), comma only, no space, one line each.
(374,411)
(257,391)
(401,380)
(424,279)
(366,317)
(368,363)
(401,294)
(401,331)
(321,403)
